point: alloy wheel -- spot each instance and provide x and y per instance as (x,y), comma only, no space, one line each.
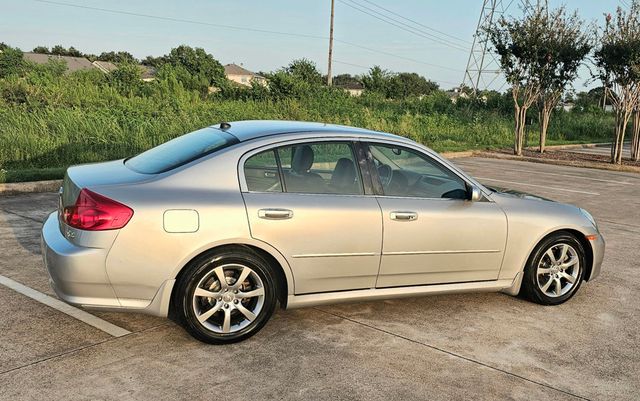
(228,298)
(558,270)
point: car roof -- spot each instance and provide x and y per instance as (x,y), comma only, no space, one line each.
(254,129)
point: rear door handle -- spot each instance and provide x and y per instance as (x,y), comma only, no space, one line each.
(404,216)
(275,214)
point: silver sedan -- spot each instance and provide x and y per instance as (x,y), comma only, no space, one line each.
(217,227)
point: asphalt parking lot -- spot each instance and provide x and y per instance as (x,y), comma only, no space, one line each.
(471,346)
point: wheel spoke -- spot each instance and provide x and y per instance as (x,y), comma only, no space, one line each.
(203,318)
(570,263)
(558,286)
(551,256)
(243,275)
(250,294)
(221,277)
(226,325)
(246,312)
(546,286)
(563,253)
(569,277)
(543,270)
(201,292)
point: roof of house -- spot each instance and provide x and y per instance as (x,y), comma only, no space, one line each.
(73,63)
(234,69)
(105,66)
(252,129)
(147,71)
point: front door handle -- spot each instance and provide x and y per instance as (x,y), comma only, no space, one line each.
(275,214)
(404,216)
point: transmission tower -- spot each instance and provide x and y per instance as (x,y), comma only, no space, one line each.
(483,67)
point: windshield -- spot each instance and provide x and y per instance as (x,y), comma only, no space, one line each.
(180,151)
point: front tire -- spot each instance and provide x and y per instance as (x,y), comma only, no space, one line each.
(555,270)
(226,296)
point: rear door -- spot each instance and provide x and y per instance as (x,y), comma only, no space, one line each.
(432,233)
(308,200)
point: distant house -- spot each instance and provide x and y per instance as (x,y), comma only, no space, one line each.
(105,66)
(353,88)
(73,63)
(148,73)
(242,76)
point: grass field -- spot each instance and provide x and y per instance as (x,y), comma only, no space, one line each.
(48,122)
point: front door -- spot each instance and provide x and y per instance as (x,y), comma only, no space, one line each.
(432,233)
(307,200)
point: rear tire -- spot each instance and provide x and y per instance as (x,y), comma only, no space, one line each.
(225,296)
(555,270)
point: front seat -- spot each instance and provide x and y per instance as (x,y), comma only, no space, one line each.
(301,179)
(343,179)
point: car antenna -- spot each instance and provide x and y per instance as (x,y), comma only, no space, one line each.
(224,125)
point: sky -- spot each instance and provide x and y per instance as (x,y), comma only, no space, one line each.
(241,32)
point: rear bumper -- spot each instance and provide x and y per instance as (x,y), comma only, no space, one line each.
(76,274)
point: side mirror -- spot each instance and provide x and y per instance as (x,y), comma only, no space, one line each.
(475,194)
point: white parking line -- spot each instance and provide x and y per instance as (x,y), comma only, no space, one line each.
(539,186)
(556,174)
(67,309)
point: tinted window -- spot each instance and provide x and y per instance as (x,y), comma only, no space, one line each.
(320,168)
(181,150)
(405,172)
(261,172)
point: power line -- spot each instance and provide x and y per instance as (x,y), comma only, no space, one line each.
(418,23)
(399,24)
(241,28)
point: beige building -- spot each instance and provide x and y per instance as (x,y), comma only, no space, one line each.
(242,76)
(353,88)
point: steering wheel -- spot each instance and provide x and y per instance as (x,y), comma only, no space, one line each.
(385,172)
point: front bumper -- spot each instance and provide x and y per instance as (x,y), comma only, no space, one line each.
(597,247)
(76,273)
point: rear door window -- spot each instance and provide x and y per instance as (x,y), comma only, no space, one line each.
(261,172)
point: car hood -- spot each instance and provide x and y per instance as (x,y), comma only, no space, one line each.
(517,194)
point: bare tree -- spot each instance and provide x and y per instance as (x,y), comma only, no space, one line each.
(635,140)
(618,60)
(519,44)
(566,44)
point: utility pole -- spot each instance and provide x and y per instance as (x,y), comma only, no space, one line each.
(330,44)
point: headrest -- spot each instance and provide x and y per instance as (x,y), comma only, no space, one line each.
(302,159)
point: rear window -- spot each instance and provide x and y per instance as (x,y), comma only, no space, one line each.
(181,150)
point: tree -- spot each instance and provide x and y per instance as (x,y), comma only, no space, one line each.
(566,45)
(591,100)
(11,61)
(376,80)
(405,84)
(201,65)
(118,57)
(345,79)
(305,70)
(519,44)
(41,50)
(618,61)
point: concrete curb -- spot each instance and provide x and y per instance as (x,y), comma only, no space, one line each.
(571,146)
(29,187)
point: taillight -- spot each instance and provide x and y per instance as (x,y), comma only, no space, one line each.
(95,212)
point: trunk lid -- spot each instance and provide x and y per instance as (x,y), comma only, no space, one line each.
(94,175)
